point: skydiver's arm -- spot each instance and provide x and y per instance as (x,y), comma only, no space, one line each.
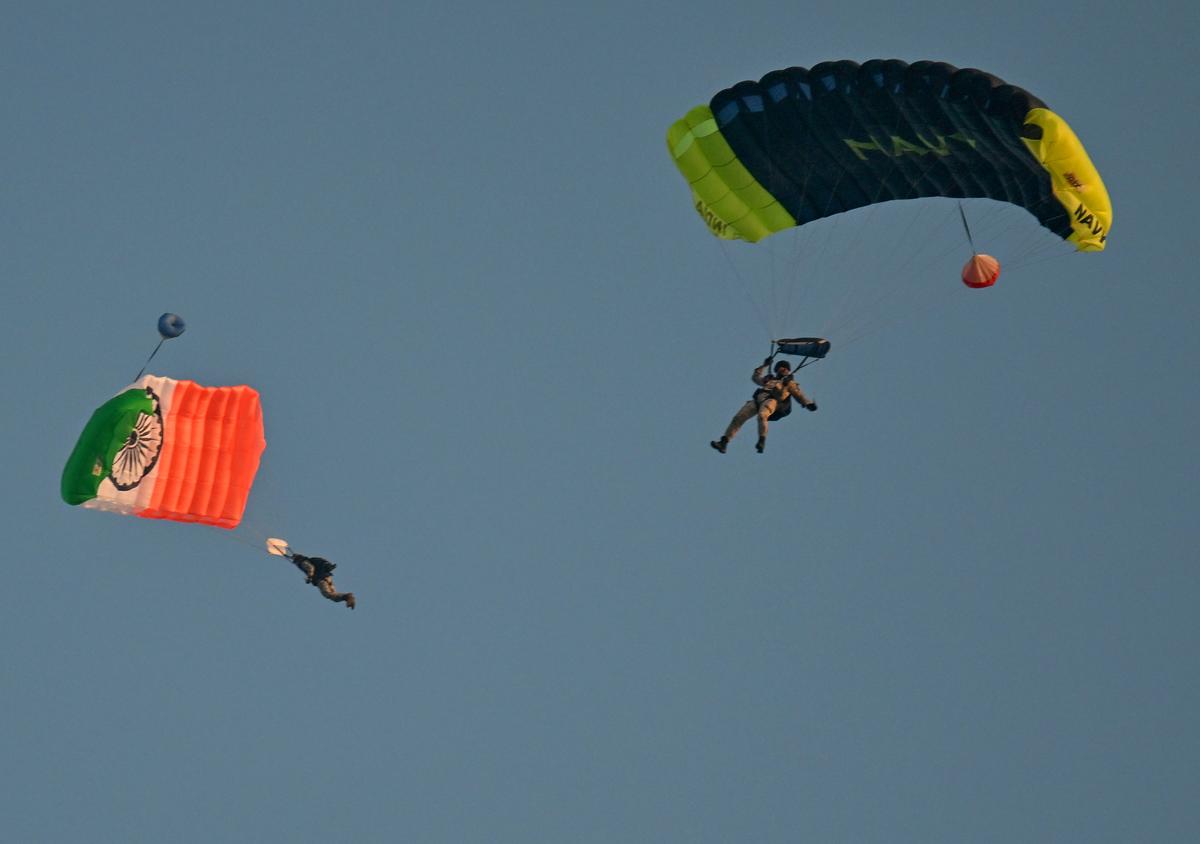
(760,375)
(797,393)
(805,401)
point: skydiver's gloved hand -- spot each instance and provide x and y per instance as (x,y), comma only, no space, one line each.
(767,360)
(812,405)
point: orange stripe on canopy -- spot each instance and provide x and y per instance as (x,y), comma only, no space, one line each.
(212,442)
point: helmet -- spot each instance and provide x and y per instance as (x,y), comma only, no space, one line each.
(781,365)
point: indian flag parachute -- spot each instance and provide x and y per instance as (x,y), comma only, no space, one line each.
(167,449)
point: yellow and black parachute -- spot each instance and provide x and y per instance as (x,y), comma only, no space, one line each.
(803,144)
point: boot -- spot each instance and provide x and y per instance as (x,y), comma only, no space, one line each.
(760,445)
(720,444)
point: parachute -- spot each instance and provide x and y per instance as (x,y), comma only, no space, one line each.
(168,449)
(803,144)
(173,449)
(840,191)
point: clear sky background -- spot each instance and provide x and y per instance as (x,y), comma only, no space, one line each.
(447,245)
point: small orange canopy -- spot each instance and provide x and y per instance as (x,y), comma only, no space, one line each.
(981,271)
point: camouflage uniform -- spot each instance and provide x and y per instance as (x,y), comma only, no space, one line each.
(319,572)
(772,390)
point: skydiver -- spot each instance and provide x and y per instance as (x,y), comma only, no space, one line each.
(319,572)
(775,392)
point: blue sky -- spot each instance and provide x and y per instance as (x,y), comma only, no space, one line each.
(447,245)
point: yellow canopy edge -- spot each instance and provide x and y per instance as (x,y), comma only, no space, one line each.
(731,202)
(1073,178)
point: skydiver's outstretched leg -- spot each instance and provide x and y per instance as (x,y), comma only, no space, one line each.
(764,416)
(740,418)
(735,424)
(328,590)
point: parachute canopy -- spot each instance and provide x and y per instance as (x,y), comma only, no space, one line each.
(803,144)
(167,449)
